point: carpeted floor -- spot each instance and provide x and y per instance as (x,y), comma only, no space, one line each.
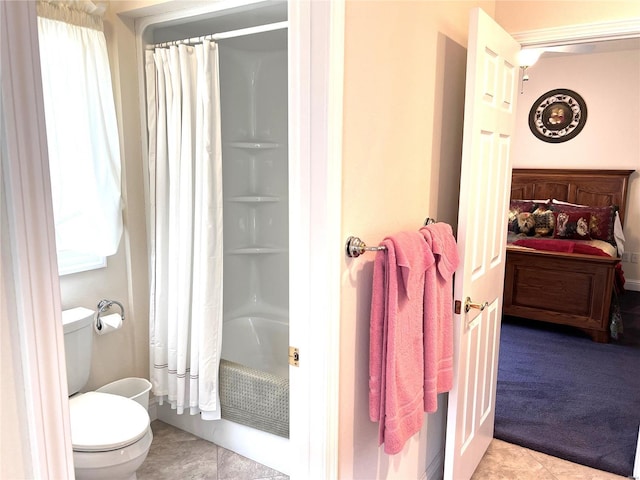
(562,394)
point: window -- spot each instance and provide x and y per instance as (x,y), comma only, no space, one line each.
(82,135)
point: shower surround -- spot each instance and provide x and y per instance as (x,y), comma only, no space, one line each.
(254,383)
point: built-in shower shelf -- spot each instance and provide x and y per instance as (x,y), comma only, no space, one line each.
(255,250)
(254,199)
(254,145)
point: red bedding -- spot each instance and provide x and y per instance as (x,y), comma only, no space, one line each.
(567,246)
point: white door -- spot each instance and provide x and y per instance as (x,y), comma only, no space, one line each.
(491,91)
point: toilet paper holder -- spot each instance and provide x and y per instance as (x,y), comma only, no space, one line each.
(104,305)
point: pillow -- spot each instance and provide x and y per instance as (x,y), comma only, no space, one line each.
(544,221)
(518,223)
(572,224)
(603,219)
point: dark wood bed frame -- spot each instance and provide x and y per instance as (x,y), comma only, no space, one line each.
(564,288)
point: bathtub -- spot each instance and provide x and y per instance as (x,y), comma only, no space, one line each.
(254,394)
(258,343)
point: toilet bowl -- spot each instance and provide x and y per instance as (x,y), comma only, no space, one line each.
(110,435)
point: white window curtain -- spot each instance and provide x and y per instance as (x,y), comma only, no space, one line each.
(185,216)
(82,134)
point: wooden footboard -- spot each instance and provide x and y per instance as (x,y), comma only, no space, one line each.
(563,288)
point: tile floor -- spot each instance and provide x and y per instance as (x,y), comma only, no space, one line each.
(176,454)
(505,461)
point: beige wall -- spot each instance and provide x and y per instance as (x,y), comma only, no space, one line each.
(522,15)
(608,82)
(403,113)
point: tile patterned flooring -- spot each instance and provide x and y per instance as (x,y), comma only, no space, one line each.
(176,454)
(505,461)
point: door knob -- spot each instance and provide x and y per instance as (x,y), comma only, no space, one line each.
(468,305)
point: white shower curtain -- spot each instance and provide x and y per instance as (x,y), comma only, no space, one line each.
(185,226)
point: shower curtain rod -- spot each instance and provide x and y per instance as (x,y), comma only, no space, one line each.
(224,35)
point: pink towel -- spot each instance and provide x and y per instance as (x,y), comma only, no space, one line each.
(438,313)
(396,394)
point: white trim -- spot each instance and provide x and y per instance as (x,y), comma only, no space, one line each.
(299,83)
(631,284)
(588,32)
(324,247)
(31,231)
(636,464)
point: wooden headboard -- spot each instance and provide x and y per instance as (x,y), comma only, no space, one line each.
(598,188)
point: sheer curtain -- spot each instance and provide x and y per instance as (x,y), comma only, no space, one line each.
(82,134)
(185,193)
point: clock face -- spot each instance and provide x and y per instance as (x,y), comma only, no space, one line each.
(558,116)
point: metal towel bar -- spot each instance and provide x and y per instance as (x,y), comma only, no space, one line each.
(355,247)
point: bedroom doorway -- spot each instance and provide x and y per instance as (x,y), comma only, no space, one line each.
(605,40)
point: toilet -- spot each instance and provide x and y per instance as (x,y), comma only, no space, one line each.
(111,434)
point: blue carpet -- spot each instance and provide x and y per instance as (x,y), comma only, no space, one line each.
(569,397)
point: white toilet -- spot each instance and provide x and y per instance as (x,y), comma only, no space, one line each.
(110,434)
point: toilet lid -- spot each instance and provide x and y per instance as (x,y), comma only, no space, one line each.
(101,422)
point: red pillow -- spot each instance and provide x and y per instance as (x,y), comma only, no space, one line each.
(602,219)
(572,224)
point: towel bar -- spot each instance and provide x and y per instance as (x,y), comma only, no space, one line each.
(355,247)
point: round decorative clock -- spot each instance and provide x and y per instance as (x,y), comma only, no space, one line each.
(558,116)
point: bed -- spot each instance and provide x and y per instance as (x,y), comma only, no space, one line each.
(572,289)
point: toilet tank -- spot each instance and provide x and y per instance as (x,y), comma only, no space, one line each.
(78,343)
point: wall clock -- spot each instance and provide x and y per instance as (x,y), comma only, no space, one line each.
(558,116)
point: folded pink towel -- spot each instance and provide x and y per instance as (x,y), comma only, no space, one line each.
(396,372)
(438,313)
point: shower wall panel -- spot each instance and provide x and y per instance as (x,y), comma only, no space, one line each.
(253,84)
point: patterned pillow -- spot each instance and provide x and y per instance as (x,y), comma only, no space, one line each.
(544,221)
(572,224)
(602,223)
(517,207)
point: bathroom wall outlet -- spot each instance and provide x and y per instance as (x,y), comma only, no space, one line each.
(626,256)
(635,257)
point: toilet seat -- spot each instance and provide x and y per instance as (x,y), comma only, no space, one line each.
(102,422)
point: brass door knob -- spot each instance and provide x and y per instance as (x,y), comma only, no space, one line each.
(468,305)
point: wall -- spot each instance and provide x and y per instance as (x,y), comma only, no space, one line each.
(403,112)
(608,82)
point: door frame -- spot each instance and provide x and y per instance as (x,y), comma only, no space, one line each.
(576,34)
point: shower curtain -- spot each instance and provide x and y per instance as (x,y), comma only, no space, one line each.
(185,226)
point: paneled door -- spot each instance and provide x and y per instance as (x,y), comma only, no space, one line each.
(490,103)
